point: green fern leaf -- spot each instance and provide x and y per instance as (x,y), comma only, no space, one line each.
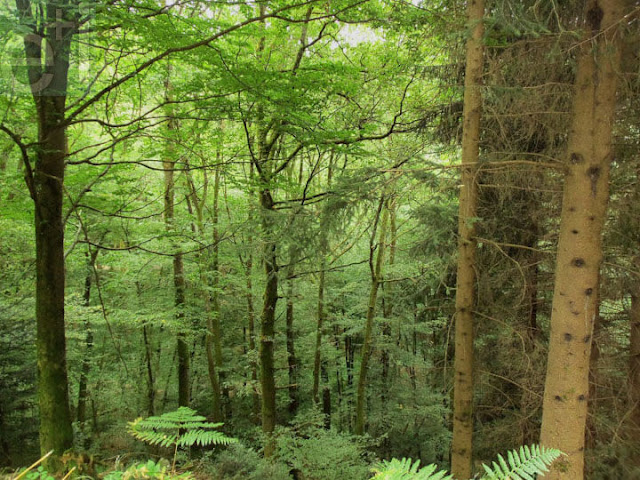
(406,469)
(522,464)
(180,428)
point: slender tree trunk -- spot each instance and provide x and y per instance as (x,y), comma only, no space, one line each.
(387,303)
(326,398)
(292,362)
(214,334)
(376,276)
(267,324)
(178,264)
(209,290)
(151,385)
(215,331)
(81,411)
(324,250)
(252,331)
(585,197)
(462,443)
(317,357)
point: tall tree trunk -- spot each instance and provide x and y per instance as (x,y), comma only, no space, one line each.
(81,411)
(292,362)
(584,203)
(462,443)
(387,303)
(215,331)
(324,250)
(252,330)
(209,284)
(151,385)
(376,276)
(267,323)
(168,164)
(317,357)
(48,79)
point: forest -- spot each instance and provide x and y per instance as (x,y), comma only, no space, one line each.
(319,239)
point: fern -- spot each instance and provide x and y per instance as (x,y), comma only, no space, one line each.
(180,428)
(405,469)
(522,464)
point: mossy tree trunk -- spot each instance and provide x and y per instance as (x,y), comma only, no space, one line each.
(48,79)
(461,446)
(267,322)
(579,253)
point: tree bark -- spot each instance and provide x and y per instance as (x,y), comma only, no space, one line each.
(292,362)
(184,394)
(48,79)
(387,303)
(267,324)
(215,331)
(461,446)
(81,411)
(585,197)
(376,275)
(317,357)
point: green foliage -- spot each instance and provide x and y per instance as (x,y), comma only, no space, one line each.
(180,428)
(148,471)
(39,473)
(522,464)
(241,463)
(321,454)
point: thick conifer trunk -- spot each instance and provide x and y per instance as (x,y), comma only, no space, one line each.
(585,197)
(461,447)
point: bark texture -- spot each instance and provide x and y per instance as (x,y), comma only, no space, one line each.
(367,347)
(168,165)
(48,77)
(585,197)
(267,324)
(461,446)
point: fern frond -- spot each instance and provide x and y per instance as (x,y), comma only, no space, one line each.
(406,469)
(522,464)
(180,428)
